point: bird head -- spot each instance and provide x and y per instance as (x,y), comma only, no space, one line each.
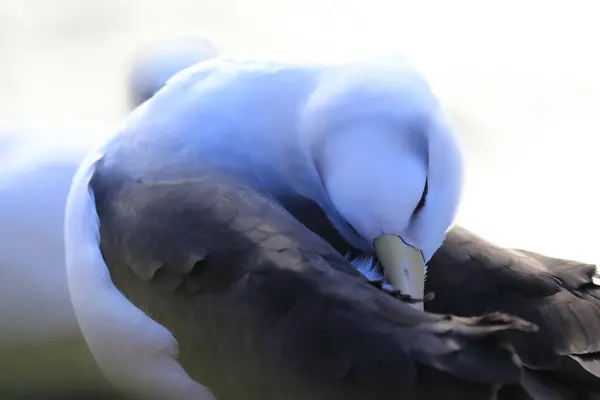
(389,164)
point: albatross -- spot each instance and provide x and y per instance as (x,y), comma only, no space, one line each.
(348,197)
(191,277)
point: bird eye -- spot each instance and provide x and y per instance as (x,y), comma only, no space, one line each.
(422,201)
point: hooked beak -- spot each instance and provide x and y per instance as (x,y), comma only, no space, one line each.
(403,265)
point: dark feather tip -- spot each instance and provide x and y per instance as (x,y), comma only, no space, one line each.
(497,318)
(400,296)
(408,299)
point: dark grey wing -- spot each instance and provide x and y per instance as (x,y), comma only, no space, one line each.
(263,308)
(471,276)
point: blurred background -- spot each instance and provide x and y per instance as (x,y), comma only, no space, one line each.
(519,80)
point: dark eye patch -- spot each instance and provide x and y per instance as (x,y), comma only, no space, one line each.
(423,196)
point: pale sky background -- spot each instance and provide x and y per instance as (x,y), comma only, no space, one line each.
(520,79)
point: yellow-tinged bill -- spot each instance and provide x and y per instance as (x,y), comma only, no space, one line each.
(403,265)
